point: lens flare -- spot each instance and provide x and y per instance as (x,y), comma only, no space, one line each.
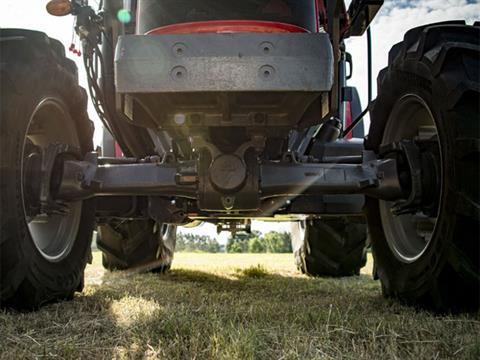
(124,16)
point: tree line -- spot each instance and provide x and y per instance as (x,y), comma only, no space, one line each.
(256,242)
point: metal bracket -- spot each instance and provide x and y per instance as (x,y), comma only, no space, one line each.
(48,205)
(235,226)
(410,150)
(257,142)
(166,211)
(228,181)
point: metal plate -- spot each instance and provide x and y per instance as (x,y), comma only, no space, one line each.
(224,62)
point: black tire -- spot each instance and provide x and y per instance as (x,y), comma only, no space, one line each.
(140,245)
(329,247)
(35,72)
(438,65)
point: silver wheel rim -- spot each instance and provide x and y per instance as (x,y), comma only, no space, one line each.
(164,230)
(302,225)
(53,235)
(167,241)
(409,235)
(298,234)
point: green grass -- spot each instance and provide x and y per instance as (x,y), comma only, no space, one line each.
(235,306)
(257,271)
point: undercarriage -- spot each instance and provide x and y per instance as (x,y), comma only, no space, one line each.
(228,153)
(230,186)
(264,148)
(227,112)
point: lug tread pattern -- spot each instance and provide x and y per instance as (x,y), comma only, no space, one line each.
(331,247)
(27,279)
(134,246)
(443,60)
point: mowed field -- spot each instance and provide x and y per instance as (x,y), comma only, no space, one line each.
(234,306)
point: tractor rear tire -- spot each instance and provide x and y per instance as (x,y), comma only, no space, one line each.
(329,247)
(42,258)
(140,245)
(435,73)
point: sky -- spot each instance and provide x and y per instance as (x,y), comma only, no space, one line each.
(388,28)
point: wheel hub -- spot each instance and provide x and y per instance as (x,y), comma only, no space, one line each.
(409,225)
(53,225)
(418,174)
(32,168)
(228,172)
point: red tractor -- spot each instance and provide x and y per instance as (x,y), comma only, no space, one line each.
(228,111)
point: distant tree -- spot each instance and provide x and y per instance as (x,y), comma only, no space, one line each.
(190,242)
(256,245)
(238,243)
(211,245)
(236,247)
(278,242)
(181,244)
(272,242)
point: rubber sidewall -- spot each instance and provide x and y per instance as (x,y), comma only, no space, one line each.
(28,278)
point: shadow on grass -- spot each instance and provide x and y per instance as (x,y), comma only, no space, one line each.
(195,314)
(186,313)
(252,278)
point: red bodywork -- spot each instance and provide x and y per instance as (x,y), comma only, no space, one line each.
(348,118)
(246,26)
(250,26)
(241,26)
(227,26)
